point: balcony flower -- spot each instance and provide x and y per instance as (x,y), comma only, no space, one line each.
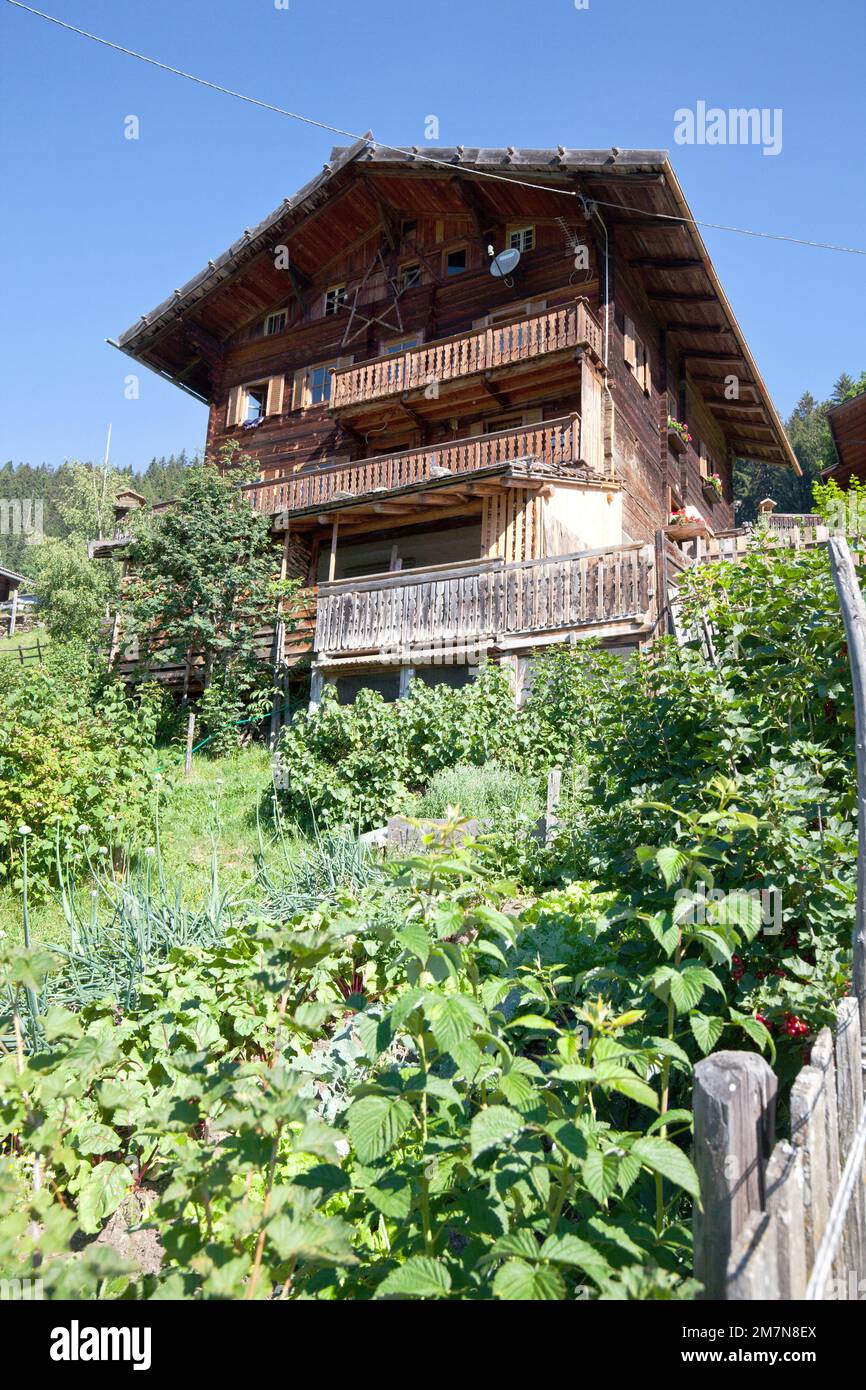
(680,428)
(686,516)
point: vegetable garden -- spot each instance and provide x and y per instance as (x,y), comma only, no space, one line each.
(461,1074)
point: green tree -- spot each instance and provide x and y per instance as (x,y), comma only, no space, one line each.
(202,585)
(76,594)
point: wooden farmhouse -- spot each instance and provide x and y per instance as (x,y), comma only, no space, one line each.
(847,423)
(459,391)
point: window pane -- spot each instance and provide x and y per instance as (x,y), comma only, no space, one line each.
(320,385)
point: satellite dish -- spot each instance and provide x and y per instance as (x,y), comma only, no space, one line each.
(504,263)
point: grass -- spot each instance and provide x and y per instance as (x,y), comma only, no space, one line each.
(23,639)
(229,790)
(225,790)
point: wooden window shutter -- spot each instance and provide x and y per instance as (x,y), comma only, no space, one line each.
(477,427)
(630,346)
(704,459)
(234,406)
(533,416)
(642,365)
(274,403)
(299,388)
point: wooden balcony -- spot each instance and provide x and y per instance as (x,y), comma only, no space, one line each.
(448,361)
(551,445)
(454,612)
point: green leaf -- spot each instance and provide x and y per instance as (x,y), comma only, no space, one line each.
(375,1124)
(672,1117)
(518,1090)
(494,1125)
(420,1277)
(571,1250)
(671,862)
(707,1030)
(95,1138)
(451,1018)
(757,1032)
(390,1193)
(661,1156)
(415,940)
(534,1021)
(518,1281)
(58,1022)
(600,1173)
(104,1189)
(632,1086)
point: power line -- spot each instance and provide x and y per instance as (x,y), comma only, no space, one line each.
(430,159)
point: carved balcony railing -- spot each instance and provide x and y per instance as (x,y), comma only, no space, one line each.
(467,354)
(552,443)
(481,603)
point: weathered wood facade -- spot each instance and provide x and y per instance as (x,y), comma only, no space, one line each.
(470,464)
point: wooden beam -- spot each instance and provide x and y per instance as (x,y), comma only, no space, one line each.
(491,390)
(743,381)
(670,297)
(468,194)
(390,226)
(695,326)
(743,407)
(667,262)
(332,557)
(708,354)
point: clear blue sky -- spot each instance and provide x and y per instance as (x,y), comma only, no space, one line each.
(98,229)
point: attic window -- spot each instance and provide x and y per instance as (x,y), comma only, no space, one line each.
(407,227)
(275,323)
(455,261)
(335,299)
(521,238)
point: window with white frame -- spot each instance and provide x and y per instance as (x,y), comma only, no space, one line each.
(252,402)
(276,322)
(521,238)
(255,402)
(335,299)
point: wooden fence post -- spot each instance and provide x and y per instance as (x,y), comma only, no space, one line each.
(190,734)
(809,1135)
(734,1111)
(854,618)
(849,1093)
(784,1189)
(554,796)
(823,1059)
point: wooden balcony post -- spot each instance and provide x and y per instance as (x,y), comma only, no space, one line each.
(332,558)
